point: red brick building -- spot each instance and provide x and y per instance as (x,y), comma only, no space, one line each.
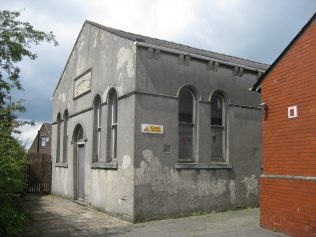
(42,141)
(288,183)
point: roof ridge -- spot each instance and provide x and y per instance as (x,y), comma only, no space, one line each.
(205,50)
(116,31)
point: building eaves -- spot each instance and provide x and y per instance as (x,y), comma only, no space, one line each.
(257,85)
(170,45)
(181,47)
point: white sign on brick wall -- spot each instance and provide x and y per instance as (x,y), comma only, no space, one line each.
(292,111)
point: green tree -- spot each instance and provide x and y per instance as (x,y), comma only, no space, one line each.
(16,40)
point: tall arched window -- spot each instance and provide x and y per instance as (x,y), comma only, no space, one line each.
(187,125)
(97,129)
(218,123)
(58,138)
(65,136)
(112,125)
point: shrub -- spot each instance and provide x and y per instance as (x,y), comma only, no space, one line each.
(12,183)
(16,40)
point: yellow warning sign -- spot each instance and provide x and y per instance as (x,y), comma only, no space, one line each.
(152,128)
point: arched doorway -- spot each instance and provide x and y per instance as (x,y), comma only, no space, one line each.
(78,161)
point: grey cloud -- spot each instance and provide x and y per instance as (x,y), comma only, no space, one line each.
(256,30)
(39,78)
(68,10)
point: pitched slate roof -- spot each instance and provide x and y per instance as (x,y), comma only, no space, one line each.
(180,47)
(257,86)
(171,45)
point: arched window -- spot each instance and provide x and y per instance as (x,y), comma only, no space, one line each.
(58,139)
(218,123)
(97,129)
(112,125)
(187,125)
(65,136)
(77,134)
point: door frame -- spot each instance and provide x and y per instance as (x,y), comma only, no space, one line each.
(80,145)
(78,139)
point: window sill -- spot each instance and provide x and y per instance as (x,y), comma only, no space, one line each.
(61,165)
(203,166)
(104,165)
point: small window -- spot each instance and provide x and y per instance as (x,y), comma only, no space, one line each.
(43,141)
(187,125)
(218,137)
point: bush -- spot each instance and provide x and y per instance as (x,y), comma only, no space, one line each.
(12,183)
(11,221)
(16,40)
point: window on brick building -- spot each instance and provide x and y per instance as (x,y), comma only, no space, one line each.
(43,141)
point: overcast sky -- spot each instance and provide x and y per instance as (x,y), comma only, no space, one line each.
(258,30)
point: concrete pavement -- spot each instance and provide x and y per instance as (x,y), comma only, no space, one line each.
(51,216)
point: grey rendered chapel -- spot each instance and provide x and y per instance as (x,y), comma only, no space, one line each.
(147,129)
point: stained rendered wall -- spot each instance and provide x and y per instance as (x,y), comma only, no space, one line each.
(112,63)
(162,189)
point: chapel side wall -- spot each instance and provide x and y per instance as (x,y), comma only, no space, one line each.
(161,190)
(112,63)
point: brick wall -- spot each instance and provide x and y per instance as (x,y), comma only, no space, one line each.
(47,148)
(288,206)
(289,145)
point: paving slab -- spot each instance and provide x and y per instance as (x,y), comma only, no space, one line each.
(56,217)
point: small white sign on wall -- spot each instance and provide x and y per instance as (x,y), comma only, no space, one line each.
(152,128)
(292,112)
